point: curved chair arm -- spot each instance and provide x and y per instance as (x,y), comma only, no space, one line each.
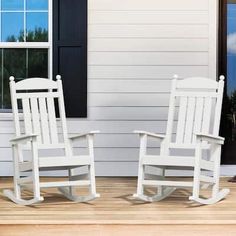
(159,136)
(23,138)
(210,138)
(78,136)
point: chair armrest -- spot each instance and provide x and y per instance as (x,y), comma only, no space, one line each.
(159,136)
(23,138)
(210,138)
(77,136)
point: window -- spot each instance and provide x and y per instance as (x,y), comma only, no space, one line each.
(25,42)
(42,38)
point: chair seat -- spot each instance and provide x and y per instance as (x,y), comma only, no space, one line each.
(58,161)
(64,161)
(183,161)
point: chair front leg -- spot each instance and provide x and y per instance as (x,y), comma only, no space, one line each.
(141,167)
(164,151)
(17,189)
(91,167)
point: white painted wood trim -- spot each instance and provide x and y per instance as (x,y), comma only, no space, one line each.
(213,38)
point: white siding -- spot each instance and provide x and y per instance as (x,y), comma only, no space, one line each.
(134,48)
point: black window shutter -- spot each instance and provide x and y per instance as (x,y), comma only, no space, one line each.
(70,53)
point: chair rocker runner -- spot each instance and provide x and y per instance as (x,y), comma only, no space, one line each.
(196,105)
(39,132)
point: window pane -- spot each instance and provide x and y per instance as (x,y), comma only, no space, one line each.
(12,27)
(38,63)
(14,63)
(37,27)
(231,49)
(37,5)
(12,4)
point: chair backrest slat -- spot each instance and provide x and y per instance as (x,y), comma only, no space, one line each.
(188,134)
(52,120)
(206,115)
(27,115)
(198,117)
(181,119)
(44,120)
(35,118)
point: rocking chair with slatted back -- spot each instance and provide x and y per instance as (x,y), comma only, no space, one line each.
(36,99)
(196,104)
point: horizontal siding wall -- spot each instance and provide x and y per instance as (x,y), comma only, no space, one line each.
(134,48)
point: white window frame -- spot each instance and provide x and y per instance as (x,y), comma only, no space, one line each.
(32,45)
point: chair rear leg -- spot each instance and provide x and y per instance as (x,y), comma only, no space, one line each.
(72,189)
(69,192)
(218,194)
(160,189)
(140,188)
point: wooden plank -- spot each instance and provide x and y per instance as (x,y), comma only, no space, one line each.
(147,58)
(118,230)
(128,100)
(128,113)
(148,5)
(131,86)
(144,72)
(148,17)
(151,45)
(148,31)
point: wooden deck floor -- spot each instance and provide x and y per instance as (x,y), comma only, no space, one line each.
(116,213)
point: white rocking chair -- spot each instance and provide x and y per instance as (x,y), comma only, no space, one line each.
(39,132)
(196,104)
